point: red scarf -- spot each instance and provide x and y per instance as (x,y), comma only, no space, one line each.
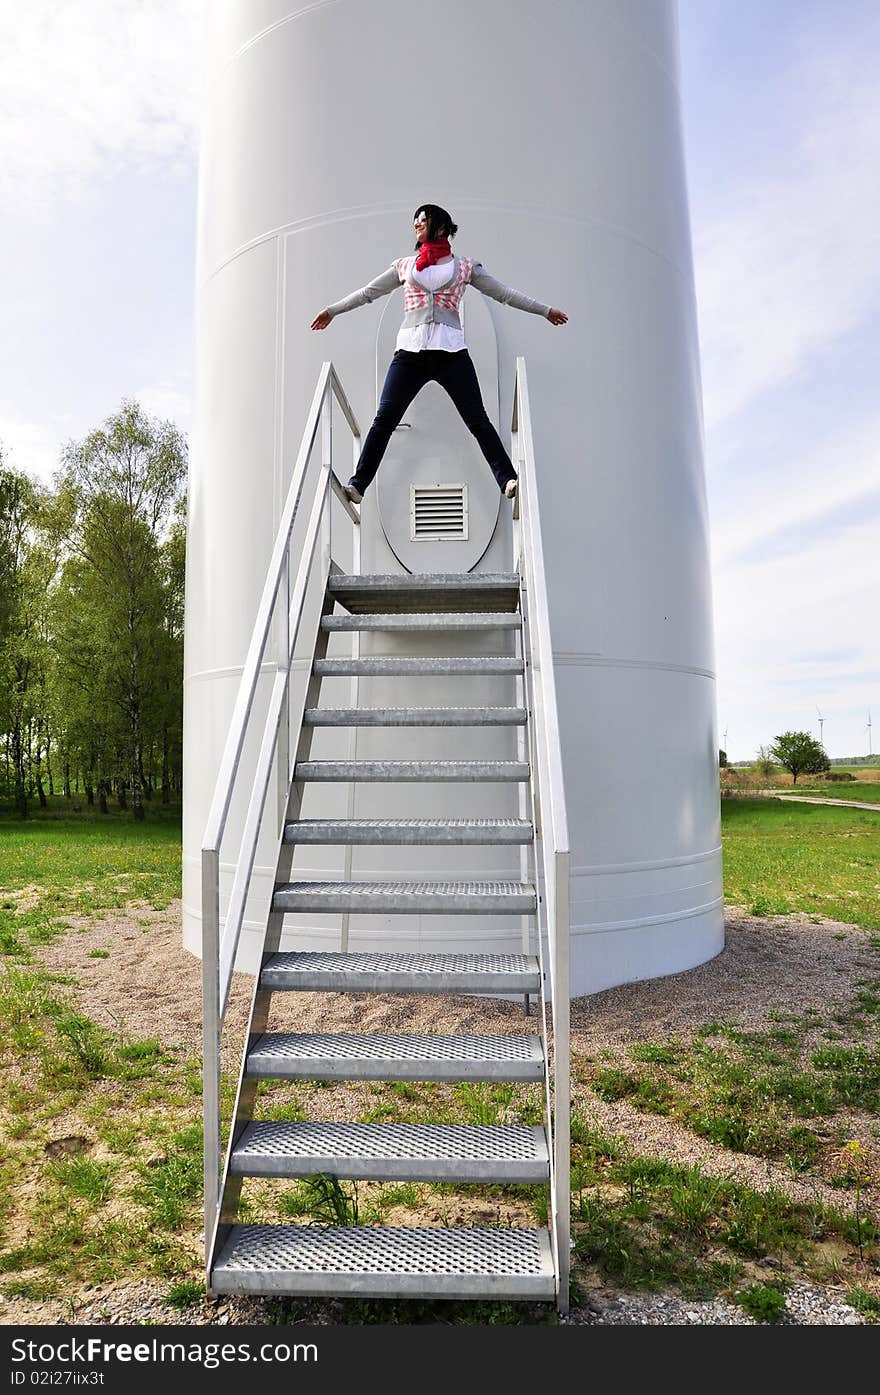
(431,252)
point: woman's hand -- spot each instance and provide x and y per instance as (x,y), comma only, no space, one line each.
(322,321)
(557,317)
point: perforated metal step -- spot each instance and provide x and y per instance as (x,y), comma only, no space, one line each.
(427,591)
(447,620)
(385,1262)
(407,898)
(407,770)
(407,832)
(347,1056)
(414,716)
(409,666)
(380,972)
(394,1152)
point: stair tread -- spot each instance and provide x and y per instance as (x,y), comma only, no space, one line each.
(494,888)
(406,1056)
(384,972)
(407,896)
(420,581)
(382,1151)
(425,620)
(408,831)
(412,592)
(466,770)
(409,665)
(416,823)
(414,716)
(387,1261)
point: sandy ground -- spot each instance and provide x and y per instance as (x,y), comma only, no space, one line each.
(150,987)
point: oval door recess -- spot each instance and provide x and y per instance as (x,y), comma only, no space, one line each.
(437,498)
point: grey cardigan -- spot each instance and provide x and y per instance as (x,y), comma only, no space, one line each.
(431,313)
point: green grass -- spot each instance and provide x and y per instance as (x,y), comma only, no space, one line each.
(781,858)
(485,1103)
(84,1178)
(129,1203)
(647,1223)
(868,1304)
(81,866)
(185,1294)
(772,1094)
(170,1187)
(763,1302)
(323,1198)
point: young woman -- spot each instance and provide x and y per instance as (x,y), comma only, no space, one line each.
(430,345)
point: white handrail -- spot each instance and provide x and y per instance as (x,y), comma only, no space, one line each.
(220,943)
(551,843)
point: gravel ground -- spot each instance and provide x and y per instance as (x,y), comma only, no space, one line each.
(804,1307)
(137,1303)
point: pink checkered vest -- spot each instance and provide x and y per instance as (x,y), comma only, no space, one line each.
(441,306)
(443,303)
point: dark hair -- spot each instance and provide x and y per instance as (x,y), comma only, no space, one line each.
(440,222)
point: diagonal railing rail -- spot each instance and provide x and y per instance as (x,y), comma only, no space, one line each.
(551,846)
(282,606)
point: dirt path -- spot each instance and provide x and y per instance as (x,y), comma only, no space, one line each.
(810,799)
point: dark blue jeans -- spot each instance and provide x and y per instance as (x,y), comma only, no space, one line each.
(407,375)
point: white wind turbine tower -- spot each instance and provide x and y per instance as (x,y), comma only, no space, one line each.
(868,729)
(821,724)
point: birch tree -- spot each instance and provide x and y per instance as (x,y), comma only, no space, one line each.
(116,494)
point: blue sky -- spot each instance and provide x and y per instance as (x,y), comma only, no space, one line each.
(98,153)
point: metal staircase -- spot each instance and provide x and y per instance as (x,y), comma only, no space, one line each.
(377,1261)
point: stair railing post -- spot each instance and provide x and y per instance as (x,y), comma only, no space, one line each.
(562,1067)
(283,666)
(354,687)
(550,826)
(211,1140)
(326,471)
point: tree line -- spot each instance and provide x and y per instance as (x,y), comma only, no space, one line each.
(798,752)
(91,619)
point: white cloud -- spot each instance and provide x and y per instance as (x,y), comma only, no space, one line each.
(796,631)
(91,84)
(791,261)
(800,489)
(31,446)
(36,446)
(169,401)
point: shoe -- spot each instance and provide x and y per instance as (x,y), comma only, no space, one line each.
(510,489)
(352,492)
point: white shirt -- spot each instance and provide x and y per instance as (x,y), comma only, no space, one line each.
(432,336)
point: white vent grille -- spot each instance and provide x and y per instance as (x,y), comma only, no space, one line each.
(438,512)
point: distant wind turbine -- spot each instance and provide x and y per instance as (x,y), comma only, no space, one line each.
(868,729)
(821,724)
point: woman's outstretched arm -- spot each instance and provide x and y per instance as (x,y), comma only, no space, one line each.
(379,286)
(508,296)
